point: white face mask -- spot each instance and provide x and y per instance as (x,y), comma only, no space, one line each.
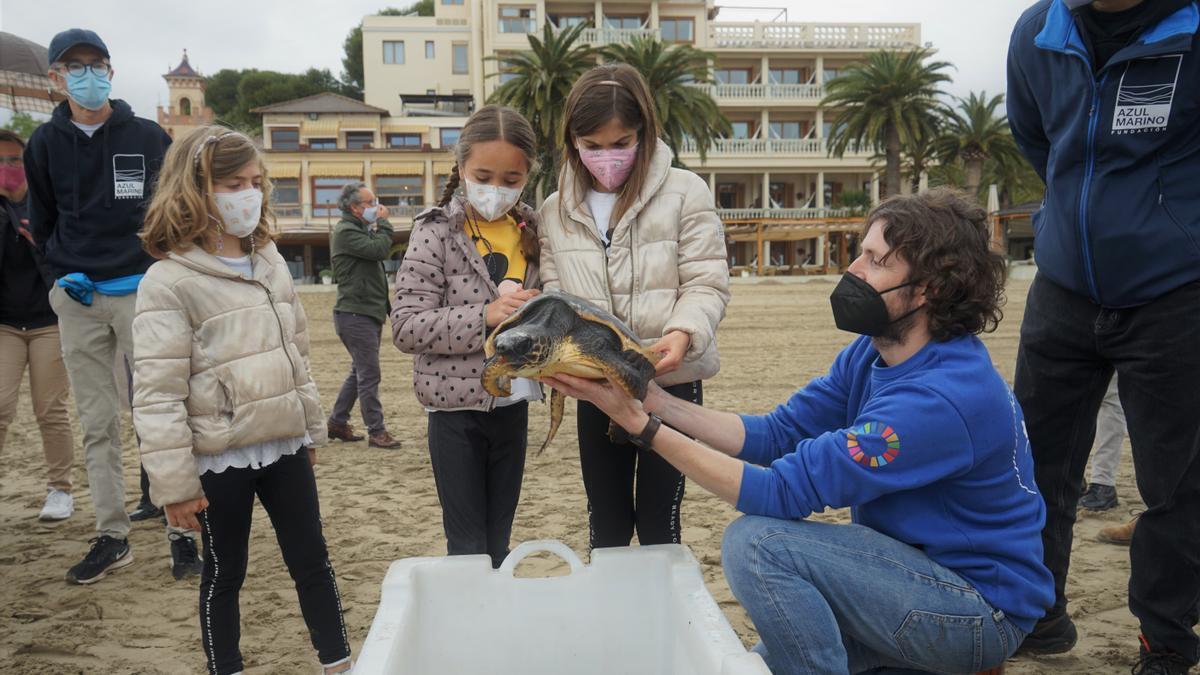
(492,201)
(240,211)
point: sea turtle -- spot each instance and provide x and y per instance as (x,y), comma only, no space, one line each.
(559,333)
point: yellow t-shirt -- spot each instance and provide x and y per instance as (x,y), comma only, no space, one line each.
(499,244)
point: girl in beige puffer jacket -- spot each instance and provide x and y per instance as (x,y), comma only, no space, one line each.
(470,264)
(224,403)
(634,235)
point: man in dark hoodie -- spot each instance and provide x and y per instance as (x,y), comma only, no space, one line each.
(90,172)
(1103,100)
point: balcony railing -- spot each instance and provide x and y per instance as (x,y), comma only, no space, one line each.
(604,36)
(779,92)
(783,214)
(759,35)
(757,147)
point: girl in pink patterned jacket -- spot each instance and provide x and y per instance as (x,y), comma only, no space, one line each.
(472,262)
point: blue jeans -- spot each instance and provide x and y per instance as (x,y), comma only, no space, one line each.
(845,598)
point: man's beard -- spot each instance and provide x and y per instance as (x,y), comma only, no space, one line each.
(898,330)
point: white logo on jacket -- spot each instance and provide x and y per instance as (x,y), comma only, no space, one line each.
(129,176)
(1145,94)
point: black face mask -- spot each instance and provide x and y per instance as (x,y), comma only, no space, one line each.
(859,308)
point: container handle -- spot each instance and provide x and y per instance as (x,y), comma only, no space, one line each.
(529,548)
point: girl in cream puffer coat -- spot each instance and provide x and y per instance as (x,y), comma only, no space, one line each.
(634,235)
(224,403)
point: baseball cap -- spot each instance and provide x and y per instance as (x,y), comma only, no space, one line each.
(73,37)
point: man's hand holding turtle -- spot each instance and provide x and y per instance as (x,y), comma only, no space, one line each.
(607,395)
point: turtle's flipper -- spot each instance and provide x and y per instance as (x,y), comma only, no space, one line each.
(494,377)
(558,402)
(633,372)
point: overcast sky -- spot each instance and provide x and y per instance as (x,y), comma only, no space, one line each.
(146,38)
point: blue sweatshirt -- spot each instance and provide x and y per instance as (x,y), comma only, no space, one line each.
(88,196)
(1119,150)
(931,452)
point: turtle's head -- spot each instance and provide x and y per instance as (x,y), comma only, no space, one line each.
(523,347)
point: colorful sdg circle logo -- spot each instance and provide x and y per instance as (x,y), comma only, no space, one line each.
(873,444)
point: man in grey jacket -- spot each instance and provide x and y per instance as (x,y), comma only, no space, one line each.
(360,243)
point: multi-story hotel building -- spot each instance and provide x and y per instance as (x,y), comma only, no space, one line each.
(777,189)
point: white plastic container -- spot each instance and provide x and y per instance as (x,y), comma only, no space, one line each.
(635,611)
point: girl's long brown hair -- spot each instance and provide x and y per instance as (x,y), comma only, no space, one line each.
(182,213)
(601,95)
(497,123)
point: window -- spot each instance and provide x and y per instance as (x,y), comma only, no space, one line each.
(740,129)
(786,76)
(506,72)
(785,130)
(517,19)
(732,75)
(359,140)
(442,181)
(431,92)
(404,141)
(728,195)
(452,2)
(400,190)
(568,21)
(449,137)
(285,191)
(285,139)
(185,107)
(459,50)
(830,74)
(625,22)
(325,195)
(825,129)
(429,49)
(678,30)
(322,144)
(393,52)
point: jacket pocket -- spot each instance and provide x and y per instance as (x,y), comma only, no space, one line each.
(941,642)
(1165,204)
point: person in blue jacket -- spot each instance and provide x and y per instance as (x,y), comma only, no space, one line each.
(1104,101)
(91,170)
(915,431)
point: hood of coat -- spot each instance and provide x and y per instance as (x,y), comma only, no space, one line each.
(196,258)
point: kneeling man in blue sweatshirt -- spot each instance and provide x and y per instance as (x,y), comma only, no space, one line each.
(915,431)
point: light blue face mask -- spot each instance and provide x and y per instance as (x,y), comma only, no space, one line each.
(371,214)
(89,89)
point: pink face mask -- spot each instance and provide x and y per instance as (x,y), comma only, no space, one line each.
(12,177)
(610,168)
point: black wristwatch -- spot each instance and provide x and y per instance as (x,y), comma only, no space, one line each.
(645,439)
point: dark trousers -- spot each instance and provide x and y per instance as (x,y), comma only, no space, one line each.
(478,464)
(627,487)
(360,335)
(288,491)
(1069,350)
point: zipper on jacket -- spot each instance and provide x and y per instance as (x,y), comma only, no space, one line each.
(1089,169)
(282,333)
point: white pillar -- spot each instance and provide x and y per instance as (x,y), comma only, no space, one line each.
(765,122)
(653,14)
(765,75)
(874,189)
(820,189)
(599,16)
(819,255)
(923,181)
(712,183)
(430,184)
(820,123)
(476,50)
(306,195)
(766,189)
(820,70)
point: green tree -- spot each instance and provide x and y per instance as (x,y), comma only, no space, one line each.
(684,111)
(882,104)
(232,94)
(352,62)
(23,124)
(973,132)
(540,80)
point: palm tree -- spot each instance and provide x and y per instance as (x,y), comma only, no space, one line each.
(684,111)
(882,103)
(540,80)
(973,133)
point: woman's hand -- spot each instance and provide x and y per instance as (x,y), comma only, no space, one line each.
(183,514)
(673,346)
(502,307)
(606,395)
(312,456)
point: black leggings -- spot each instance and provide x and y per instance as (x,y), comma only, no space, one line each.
(288,491)
(610,472)
(478,464)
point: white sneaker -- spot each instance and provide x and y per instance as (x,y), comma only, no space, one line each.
(59,506)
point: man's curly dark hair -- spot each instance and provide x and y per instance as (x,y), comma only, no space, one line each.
(943,235)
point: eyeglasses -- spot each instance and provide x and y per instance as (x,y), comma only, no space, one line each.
(10,160)
(77,68)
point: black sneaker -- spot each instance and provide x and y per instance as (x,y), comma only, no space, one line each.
(1158,663)
(1051,635)
(107,554)
(184,560)
(1099,497)
(145,511)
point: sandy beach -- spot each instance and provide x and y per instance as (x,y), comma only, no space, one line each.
(381,505)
